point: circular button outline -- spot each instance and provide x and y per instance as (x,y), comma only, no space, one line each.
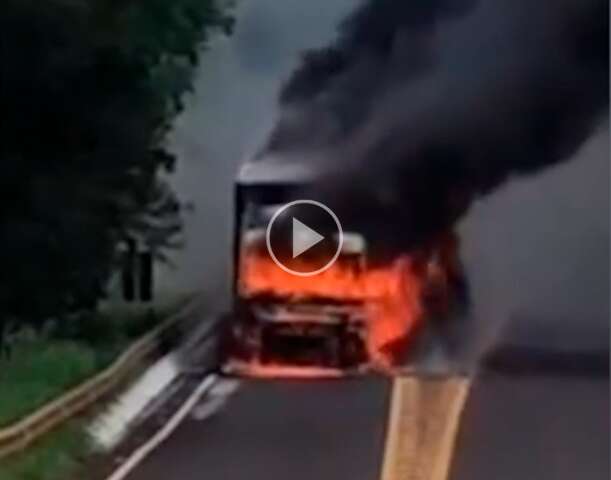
(340,243)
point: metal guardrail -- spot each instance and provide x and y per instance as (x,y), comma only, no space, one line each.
(18,436)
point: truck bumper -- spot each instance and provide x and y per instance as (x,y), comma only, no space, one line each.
(256,370)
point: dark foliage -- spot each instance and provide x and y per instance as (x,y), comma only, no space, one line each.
(89,91)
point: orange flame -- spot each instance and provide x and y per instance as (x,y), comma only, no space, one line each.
(392,296)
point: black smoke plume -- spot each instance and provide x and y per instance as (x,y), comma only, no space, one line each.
(419,107)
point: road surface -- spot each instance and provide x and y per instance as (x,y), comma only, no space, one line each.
(281,430)
(535,427)
(548,427)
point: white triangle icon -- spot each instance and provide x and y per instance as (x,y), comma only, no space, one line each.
(304,237)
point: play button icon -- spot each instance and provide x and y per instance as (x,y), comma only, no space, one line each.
(304,237)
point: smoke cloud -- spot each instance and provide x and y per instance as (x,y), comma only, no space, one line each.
(418,108)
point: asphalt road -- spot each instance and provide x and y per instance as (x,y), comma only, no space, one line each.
(533,428)
(528,427)
(323,430)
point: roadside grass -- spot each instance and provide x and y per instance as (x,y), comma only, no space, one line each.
(38,371)
(42,367)
(56,457)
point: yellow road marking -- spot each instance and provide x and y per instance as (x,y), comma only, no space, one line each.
(422,426)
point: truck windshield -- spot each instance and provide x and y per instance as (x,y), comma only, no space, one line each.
(257,215)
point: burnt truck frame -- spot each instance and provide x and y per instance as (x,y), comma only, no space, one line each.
(269,335)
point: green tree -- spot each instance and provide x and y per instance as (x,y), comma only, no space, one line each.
(89,91)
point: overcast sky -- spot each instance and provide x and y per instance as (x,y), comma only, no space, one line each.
(537,251)
(233,108)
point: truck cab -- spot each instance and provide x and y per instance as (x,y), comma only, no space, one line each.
(352,318)
(276,330)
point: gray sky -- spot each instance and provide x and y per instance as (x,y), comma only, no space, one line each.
(228,116)
(537,251)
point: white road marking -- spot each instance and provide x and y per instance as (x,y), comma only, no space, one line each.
(144,450)
(216,399)
(112,425)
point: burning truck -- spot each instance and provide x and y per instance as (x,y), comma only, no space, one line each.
(412,141)
(353,317)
